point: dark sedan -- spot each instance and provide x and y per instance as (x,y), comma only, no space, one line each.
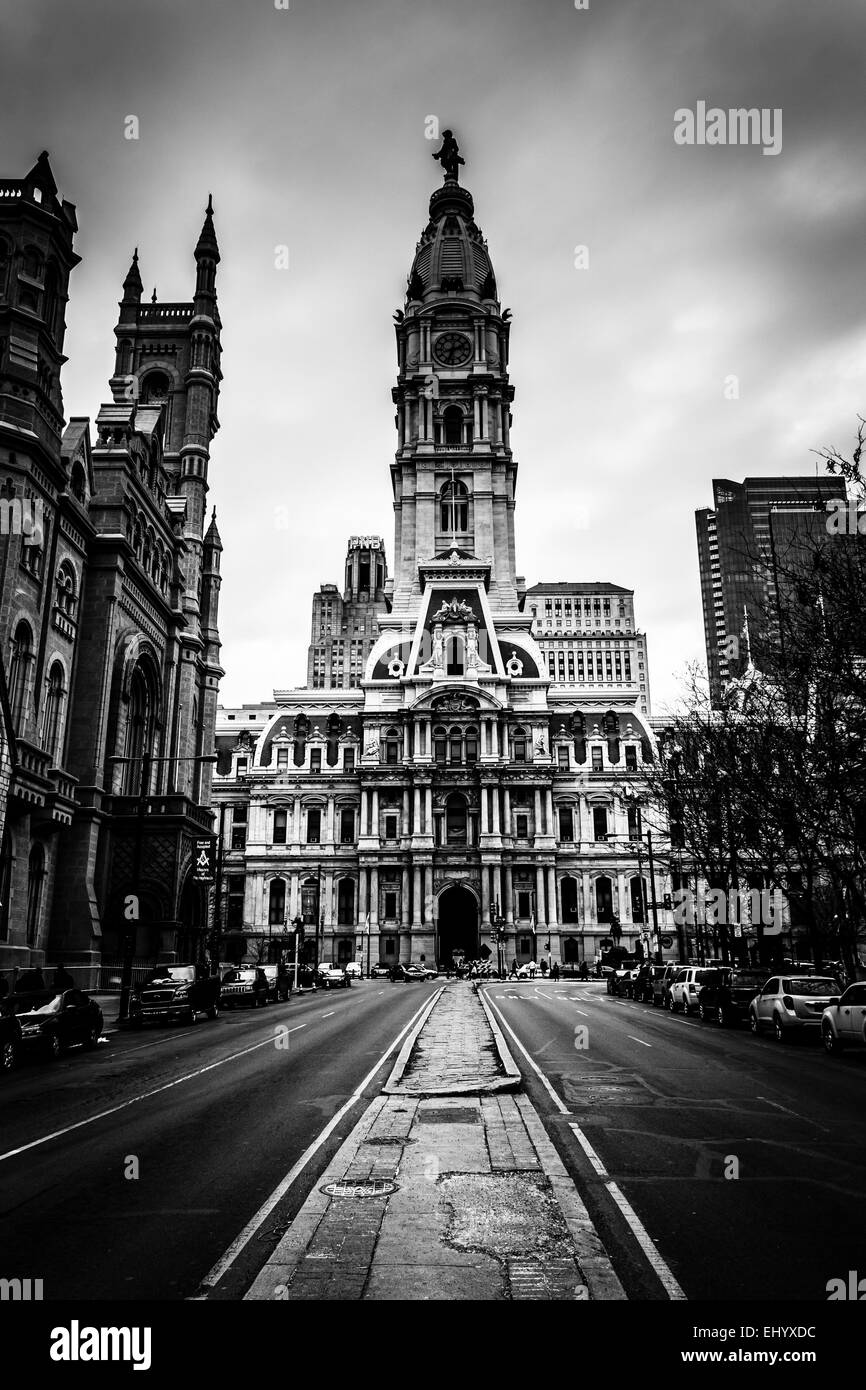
(726,996)
(10,1042)
(246,985)
(50,1023)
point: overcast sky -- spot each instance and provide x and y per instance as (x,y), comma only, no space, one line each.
(308,125)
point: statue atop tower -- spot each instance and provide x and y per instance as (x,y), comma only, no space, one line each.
(449,156)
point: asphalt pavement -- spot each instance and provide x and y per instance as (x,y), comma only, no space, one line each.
(713,1163)
(129,1172)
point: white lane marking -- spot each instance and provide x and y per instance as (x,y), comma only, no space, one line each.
(582,1013)
(227,1260)
(380,991)
(640,1040)
(330,1014)
(636,1226)
(145,1095)
(563,1109)
(546,996)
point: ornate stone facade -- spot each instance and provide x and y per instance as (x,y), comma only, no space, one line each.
(455,787)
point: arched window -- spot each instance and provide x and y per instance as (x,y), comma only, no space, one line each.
(78,481)
(277,902)
(66,589)
(302,729)
(611,733)
(346,903)
(5,266)
(392,747)
(455,820)
(281,822)
(19,675)
(52,720)
(569,899)
(518,745)
(49,312)
(471,746)
(454,507)
(31,264)
(154,388)
(140,728)
(452,425)
(35,881)
(440,745)
(604,899)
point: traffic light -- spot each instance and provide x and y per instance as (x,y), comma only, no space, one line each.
(668,902)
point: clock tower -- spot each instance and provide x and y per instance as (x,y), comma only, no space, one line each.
(454,476)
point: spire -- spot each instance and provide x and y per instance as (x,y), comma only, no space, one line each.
(212,536)
(206,246)
(132,286)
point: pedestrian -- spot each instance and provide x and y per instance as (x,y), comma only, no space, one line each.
(554,972)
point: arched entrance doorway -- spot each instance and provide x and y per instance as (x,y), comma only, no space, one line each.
(458,925)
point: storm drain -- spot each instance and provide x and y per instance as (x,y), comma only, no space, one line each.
(392,1139)
(360,1187)
(465,1116)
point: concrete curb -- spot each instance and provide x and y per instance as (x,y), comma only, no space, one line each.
(511,1081)
(273,1277)
(594,1261)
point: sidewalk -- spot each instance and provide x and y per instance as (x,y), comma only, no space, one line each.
(447,1188)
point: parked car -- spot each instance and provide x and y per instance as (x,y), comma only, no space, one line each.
(279,978)
(333,977)
(380,971)
(527,971)
(246,984)
(792,1005)
(843,1022)
(50,1023)
(10,1042)
(175,992)
(618,982)
(354,971)
(726,999)
(415,971)
(642,988)
(687,984)
(661,985)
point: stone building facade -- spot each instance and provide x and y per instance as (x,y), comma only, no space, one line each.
(109,591)
(455,791)
(344,627)
(588,638)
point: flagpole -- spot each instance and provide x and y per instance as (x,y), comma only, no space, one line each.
(368,945)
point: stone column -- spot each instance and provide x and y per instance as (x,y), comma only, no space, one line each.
(506,812)
(374,897)
(540,908)
(588,905)
(539,830)
(495,737)
(416,824)
(404,899)
(497,887)
(374,829)
(405,829)
(553,916)
(484,817)
(294,904)
(329,822)
(364,812)
(507,874)
(428,810)
(549,812)
(505,750)
(494,792)
(406,740)
(485,896)
(416,897)
(362,898)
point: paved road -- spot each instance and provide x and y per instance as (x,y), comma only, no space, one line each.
(231,1114)
(664,1103)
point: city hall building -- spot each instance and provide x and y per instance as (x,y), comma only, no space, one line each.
(461,789)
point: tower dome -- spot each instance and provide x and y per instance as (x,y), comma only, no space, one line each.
(452,253)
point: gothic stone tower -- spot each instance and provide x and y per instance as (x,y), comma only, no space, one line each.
(45,487)
(149,618)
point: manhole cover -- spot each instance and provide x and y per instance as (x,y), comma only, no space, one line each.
(623,1095)
(455,1116)
(361,1187)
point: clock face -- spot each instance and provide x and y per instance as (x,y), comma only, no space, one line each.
(452,348)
